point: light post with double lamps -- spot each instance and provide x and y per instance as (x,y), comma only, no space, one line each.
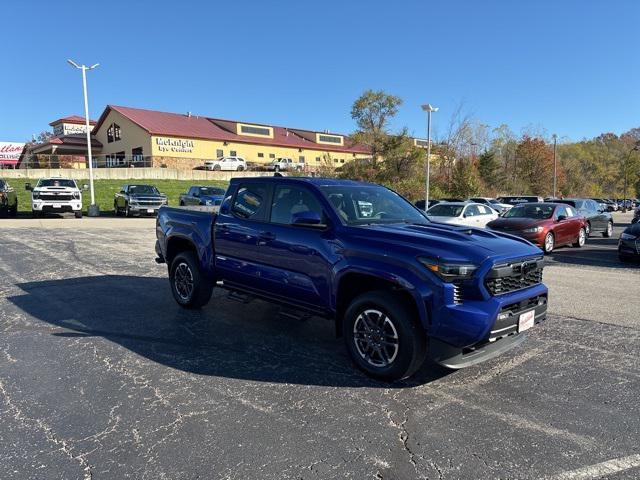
(625,166)
(94,210)
(429,109)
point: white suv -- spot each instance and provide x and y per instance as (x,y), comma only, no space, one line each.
(236,164)
(56,195)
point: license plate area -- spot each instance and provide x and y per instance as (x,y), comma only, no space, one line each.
(150,210)
(526,320)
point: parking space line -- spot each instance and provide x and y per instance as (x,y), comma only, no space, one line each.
(600,470)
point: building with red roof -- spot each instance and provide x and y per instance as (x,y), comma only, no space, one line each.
(185,141)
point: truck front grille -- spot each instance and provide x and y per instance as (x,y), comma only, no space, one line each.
(516,275)
(52,197)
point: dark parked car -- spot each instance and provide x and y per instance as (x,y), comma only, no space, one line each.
(629,243)
(517,200)
(8,199)
(547,225)
(397,286)
(201,195)
(140,199)
(598,219)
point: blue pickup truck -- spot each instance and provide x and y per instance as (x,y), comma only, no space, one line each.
(397,286)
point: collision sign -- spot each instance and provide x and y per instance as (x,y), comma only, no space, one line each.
(10,152)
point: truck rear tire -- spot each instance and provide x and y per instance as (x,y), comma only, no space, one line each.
(383,337)
(189,286)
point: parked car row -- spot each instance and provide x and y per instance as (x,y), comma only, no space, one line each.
(239,164)
(548,224)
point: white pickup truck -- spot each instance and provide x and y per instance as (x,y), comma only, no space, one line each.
(284,164)
(56,195)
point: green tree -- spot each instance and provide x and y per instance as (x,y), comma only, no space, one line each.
(465,181)
(489,170)
(372,112)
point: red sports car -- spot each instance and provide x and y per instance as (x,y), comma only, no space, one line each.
(548,225)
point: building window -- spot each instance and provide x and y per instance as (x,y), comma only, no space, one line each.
(342,160)
(233,153)
(301,158)
(330,139)
(136,155)
(318,159)
(255,130)
(272,155)
(120,158)
(336,160)
(260,155)
(110,160)
(219,153)
(113,133)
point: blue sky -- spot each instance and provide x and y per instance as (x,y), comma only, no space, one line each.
(572,67)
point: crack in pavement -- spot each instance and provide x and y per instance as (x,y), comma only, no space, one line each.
(62,444)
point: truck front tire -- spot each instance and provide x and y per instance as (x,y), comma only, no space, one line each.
(189,286)
(383,337)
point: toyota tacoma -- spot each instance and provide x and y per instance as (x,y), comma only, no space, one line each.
(396,286)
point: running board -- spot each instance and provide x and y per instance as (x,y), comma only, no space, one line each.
(239,297)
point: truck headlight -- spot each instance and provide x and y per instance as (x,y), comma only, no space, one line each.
(76,195)
(449,271)
(35,195)
(627,236)
(533,230)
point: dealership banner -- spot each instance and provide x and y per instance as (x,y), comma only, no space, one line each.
(10,152)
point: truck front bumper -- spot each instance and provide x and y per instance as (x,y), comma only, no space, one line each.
(144,209)
(47,206)
(475,331)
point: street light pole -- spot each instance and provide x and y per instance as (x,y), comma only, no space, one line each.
(625,166)
(429,109)
(94,210)
(555,165)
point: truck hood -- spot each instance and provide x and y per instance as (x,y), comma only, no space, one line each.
(56,189)
(137,196)
(451,242)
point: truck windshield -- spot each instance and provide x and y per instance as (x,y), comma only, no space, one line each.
(211,191)
(363,205)
(530,211)
(57,182)
(143,189)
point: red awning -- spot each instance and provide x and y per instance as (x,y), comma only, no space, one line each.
(8,162)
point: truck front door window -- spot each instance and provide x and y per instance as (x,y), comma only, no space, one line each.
(292,199)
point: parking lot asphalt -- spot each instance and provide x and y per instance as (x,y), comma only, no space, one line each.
(102,375)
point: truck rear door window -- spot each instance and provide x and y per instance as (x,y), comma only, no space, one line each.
(250,201)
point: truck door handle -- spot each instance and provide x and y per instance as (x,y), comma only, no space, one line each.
(266,236)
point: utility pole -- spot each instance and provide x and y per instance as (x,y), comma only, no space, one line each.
(94,210)
(555,165)
(429,109)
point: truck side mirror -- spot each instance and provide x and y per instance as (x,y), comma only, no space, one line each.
(307,219)
(28,187)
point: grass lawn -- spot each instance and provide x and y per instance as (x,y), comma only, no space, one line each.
(106,189)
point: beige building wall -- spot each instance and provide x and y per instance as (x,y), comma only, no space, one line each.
(188,153)
(131,136)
